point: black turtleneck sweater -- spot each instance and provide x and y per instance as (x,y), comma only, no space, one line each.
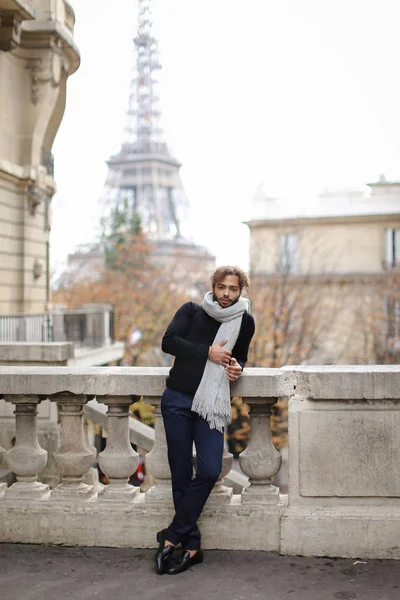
(189,336)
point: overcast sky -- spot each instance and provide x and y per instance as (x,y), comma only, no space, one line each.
(296,95)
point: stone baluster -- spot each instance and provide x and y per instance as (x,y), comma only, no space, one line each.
(118,460)
(27,458)
(92,476)
(260,461)
(220,492)
(3,486)
(157,459)
(74,455)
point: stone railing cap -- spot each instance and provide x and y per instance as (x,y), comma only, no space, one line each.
(347,382)
(48,352)
(125,381)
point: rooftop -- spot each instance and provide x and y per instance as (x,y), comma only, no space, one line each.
(378,198)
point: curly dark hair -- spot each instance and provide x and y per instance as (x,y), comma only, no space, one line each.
(221,272)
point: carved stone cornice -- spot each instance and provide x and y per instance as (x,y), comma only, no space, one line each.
(35,196)
(47,68)
(26,175)
(378,215)
(42,35)
(40,192)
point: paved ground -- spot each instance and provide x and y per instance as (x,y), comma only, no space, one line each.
(30,572)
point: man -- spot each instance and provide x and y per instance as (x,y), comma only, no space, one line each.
(210,344)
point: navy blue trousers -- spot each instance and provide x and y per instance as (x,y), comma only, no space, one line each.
(190,493)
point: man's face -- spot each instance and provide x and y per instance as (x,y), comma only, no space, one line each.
(227,290)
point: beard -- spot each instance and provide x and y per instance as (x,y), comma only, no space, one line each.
(231,302)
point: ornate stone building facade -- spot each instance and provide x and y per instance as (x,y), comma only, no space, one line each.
(37,55)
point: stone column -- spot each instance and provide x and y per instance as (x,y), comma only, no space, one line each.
(157,459)
(106,326)
(92,476)
(118,460)
(260,461)
(49,439)
(221,493)
(26,459)
(74,456)
(3,486)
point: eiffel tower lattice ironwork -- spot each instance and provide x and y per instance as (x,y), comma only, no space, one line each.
(144,173)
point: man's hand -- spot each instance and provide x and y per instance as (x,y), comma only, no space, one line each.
(233,370)
(218,355)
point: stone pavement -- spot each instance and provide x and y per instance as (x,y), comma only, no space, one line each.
(29,572)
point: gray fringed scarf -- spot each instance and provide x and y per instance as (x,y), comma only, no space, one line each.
(212,400)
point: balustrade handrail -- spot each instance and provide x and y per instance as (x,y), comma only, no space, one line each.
(128,381)
(355,382)
(69,311)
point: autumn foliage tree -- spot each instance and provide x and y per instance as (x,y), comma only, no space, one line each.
(292,315)
(377,320)
(139,290)
(385,322)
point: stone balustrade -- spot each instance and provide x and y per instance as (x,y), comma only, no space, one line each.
(344,445)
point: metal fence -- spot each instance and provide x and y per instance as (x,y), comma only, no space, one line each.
(48,161)
(85,328)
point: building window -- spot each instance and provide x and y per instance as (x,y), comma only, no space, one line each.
(392,247)
(288,253)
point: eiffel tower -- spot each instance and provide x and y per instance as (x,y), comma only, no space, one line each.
(144,173)
(145,176)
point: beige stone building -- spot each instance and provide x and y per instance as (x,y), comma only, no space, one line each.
(37,55)
(345,246)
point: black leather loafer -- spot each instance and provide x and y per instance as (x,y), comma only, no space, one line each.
(184,562)
(163,554)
